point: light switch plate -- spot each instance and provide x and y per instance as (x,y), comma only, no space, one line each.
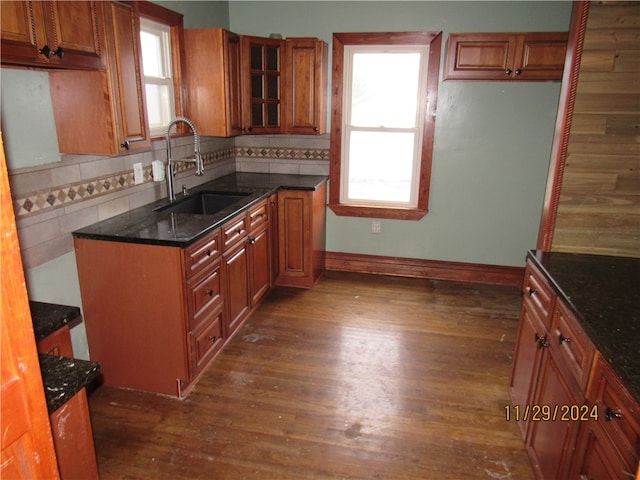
(138,175)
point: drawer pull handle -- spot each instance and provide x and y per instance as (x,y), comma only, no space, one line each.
(212,338)
(564,339)
(541,340)
(210,292)
(610,414)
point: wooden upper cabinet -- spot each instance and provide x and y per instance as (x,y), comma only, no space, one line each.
(52,33)
(506,56)
(213,81)
(103,112)
(262,90)
(122,24)
(305,86)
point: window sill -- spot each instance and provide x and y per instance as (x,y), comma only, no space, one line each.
(377,212)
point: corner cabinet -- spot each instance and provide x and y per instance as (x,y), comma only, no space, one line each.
(111,100)
(213,81)
(262,62)
(52,33)
(506,56)
(305,86)
(301,236)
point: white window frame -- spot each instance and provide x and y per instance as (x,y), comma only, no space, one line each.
(163,32)
(416,130)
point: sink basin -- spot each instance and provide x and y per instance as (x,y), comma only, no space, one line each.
(202,203)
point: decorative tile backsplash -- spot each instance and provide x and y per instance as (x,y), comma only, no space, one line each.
(57,196)
(52,201)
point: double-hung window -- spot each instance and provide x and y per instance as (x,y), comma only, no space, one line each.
(385,88)
(155,39)
(161,33)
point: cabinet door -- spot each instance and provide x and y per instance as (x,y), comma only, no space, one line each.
(259,262)
(212,64)
(273,237)
(541,56)
(75,28)
(237,299)
(125,67)
(52,33)
(550,439)
(294,226)
(480,56)
(596,457)
(306,78)
(262,60)
(526,360)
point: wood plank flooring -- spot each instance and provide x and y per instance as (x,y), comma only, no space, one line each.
(363,377)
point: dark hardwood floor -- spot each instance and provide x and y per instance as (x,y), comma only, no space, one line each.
(363,377)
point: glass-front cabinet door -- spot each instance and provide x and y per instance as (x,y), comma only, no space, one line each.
(262,71)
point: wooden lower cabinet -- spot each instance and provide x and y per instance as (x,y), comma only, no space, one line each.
(582,423)
(236,278)
(246,264)
(145,308)
(301,236)
(550,441)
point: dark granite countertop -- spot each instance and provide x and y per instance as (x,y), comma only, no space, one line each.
(144,225)
(64,377)
(49,317)
(604,294)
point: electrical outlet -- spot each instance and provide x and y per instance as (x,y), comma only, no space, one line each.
(138,175)
(376,227)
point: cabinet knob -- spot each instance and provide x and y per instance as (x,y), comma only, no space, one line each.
(207,253)
(541,340)
(508,71)
(564,339)
(252,241)
(610,414)
(517,72)
(250,129)
(210,292)
(125,145)
(316,129)
(46,51)
(531,291)
(59,52)
(212,338)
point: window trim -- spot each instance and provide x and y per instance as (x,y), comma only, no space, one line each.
(174,20)
(434,41)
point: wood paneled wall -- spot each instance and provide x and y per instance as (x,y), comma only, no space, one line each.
(599,209)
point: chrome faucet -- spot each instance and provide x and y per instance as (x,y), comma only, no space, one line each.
(197,159)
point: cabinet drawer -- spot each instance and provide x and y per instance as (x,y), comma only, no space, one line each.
(258,215)
(234,231)
(537,293)
(575,349)
(618,412)
(207,340)
(204,294)
(202,253)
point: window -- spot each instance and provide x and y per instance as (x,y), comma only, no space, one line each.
(155,40)
(385,88)
(161,34)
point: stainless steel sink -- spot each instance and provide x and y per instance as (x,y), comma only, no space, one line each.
(202,203)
